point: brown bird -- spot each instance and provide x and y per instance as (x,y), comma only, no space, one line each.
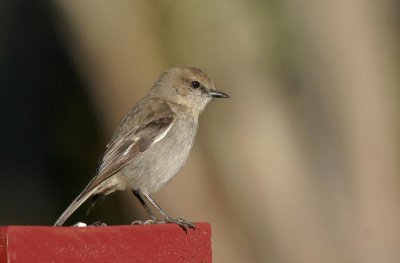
(153,141)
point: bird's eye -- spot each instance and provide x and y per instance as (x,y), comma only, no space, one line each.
(195,84)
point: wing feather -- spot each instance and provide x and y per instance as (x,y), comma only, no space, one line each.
(129,142)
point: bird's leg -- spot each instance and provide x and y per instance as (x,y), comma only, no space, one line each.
(184,224)
(154,219)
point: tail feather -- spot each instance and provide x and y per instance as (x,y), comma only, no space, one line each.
(73,206)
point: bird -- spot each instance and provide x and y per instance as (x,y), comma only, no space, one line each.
(152,142)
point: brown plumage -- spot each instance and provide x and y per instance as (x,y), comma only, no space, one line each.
(153,141)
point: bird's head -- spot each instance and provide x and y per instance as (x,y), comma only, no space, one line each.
(188,86)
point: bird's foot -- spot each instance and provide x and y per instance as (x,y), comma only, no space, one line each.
(98,223)
(184,224)
(148,222)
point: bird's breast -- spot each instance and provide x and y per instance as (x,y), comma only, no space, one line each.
(162,161)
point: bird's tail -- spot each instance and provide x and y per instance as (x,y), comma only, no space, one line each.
(73,206)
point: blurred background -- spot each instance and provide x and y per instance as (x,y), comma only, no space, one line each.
(302,164)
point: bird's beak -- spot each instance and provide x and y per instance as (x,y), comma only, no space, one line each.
(218,94)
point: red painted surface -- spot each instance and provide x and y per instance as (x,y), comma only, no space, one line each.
(139,243)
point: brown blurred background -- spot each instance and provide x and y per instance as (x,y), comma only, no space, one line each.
(300,165)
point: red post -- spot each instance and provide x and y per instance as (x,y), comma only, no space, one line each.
(138,243)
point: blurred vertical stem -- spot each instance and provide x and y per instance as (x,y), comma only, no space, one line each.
(355,55)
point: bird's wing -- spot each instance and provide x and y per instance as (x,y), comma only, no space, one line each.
(146,124)
(133,139)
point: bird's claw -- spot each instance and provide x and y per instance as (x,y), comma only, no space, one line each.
(184,224)
(98,223)
(147,222)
